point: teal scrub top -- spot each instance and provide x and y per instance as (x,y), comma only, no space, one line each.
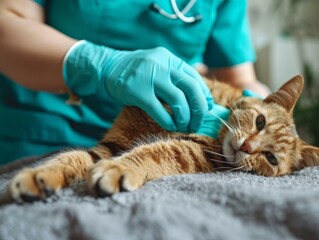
(33,122)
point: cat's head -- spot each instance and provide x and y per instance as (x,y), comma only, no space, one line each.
(263,137)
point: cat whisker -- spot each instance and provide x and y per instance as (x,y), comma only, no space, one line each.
(224,155)
(234,169)
(215,160)
(235,162)
(246,172)
(228,167)
(228,122)
(240,177)
(237,108)
(219,154)
(225,123)
(240,101)
(236,117)
(230,163)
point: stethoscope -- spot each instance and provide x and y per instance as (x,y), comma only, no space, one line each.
(177,13)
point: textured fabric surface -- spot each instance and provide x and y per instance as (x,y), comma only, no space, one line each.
(203,206)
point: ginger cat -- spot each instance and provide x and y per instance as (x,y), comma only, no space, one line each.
(259,136)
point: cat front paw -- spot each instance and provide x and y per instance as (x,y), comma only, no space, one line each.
(108,177)
(31,185)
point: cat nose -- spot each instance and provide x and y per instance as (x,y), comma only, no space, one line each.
(245,147)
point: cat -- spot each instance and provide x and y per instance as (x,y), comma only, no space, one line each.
(259,137)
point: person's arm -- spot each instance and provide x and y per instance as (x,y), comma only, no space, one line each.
(39,57)
(30,50)
(237,76)
(229,54)
(242,76)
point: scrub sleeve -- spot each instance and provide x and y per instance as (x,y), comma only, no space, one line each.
(229,42)
(35,123)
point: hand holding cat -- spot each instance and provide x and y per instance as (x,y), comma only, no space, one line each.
(214,119)
(141,78)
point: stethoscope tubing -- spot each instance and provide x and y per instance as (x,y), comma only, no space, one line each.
(177,13)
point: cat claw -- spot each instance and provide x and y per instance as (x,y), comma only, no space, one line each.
(29,198)
(101,193)
(30,185)
(108,178)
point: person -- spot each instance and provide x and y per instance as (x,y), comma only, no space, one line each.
(109,54)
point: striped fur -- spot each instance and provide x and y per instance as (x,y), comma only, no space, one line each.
(141,151)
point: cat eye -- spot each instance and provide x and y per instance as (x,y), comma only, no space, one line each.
(260,122)
(271,158)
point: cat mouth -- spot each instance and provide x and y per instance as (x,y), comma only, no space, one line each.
(233,155)
(230,154)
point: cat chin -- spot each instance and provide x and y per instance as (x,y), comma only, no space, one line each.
(229,152)
(240,157)
(232,155)
(235,157)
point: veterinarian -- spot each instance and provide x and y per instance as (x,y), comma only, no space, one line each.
(110,54)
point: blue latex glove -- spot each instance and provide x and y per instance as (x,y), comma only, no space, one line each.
(213,120)
(141,78)
(248,93)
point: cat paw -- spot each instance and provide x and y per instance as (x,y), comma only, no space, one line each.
(108,177)
(31,185)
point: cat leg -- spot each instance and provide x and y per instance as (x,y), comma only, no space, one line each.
(131,170)
(43,181)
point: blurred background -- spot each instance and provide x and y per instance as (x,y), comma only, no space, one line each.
(286,38)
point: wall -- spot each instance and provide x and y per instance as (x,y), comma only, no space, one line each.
(279,56)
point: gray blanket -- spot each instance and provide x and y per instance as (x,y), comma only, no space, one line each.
(204,206)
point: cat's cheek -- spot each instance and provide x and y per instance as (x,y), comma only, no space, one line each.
(229,152)
(227,145)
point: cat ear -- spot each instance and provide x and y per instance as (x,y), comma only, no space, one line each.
(288,94)
(310,156)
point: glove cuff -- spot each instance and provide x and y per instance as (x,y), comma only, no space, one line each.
(66,56)
(81,67)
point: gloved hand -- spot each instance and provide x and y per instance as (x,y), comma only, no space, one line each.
(258,88)
(249,93)
(213,120)
(141,78)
